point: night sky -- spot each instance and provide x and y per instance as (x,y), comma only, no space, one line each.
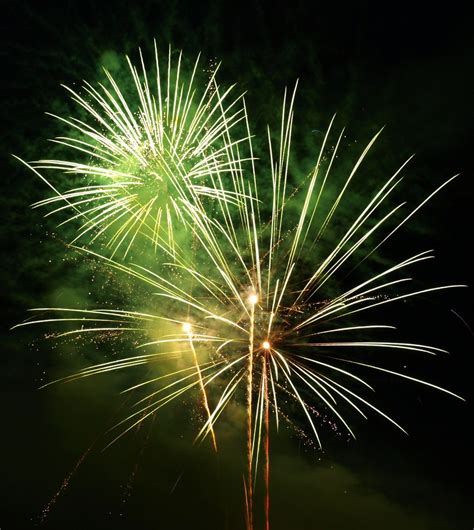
(408,68)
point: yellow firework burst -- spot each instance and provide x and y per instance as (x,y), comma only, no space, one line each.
(247,313)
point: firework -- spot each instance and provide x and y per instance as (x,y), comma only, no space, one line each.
(247,312)
(141,161)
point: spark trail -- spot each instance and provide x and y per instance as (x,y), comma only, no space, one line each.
(187,328)
(65,483)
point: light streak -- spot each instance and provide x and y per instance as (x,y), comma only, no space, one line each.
(187,328)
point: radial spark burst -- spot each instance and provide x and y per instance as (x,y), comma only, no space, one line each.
(141,160)
(247,318)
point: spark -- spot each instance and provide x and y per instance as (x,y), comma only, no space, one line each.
(253,299)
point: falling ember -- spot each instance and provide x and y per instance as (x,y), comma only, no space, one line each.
(128,487)
(64,485)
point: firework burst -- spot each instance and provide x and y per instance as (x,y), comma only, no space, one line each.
(142,160)
(245,319)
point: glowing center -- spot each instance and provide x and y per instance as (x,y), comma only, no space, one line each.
(253,299)
(266,345)
(187,327)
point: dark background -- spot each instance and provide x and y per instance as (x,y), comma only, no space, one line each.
(406,66)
